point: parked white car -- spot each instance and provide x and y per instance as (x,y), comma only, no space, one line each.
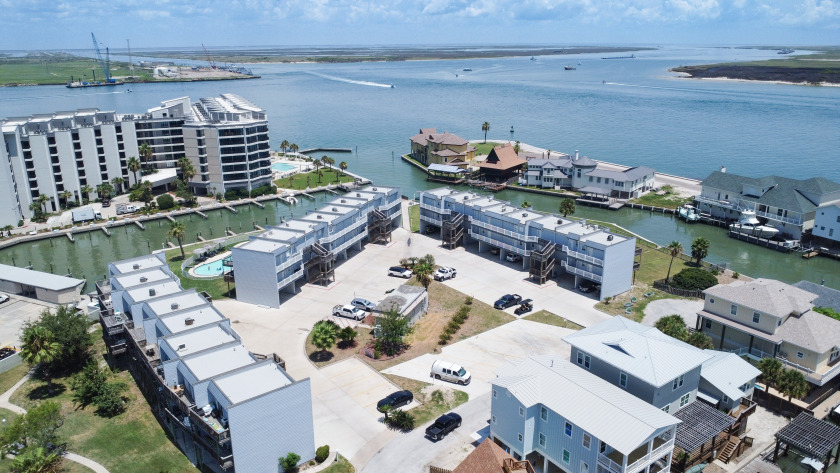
(3,298)
(452,372)
(399,272)
(349,311)
(444,273)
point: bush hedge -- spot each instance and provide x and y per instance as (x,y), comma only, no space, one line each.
(694,279)
(234,194)
(322,453)
(165,202)
(454,324)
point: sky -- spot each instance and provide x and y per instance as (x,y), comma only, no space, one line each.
(67,24)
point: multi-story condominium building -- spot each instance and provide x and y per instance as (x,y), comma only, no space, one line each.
(226,408)
(585,175)
(787,204)
(827,224)
(590,253)
(562,418)
(430,147)
(768,318)
(60,154)
(304,249)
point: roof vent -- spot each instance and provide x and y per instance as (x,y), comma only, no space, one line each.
(143,279)
(136,266)
(151,292)
(375,188)
(343,201)
(358,195)
(335,209)
(559,221)
(182,346)
(524,214)
(174,306)
(189,321)
(466,197)
(319,217)
(609,237)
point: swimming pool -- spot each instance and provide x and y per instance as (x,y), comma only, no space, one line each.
(283,167)
(213,268)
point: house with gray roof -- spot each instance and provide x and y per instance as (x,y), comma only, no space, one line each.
(39,285)
(826,296)
(584,174)
(563,418)
(768,318)
(787,204)
(827,225)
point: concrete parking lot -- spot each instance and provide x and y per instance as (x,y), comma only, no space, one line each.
(14,313)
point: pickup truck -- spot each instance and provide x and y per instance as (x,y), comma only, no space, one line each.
(349,311)
(443,425)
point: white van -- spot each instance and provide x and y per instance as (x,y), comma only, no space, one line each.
(451,372)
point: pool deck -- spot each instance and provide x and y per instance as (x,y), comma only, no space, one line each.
(218,257)
(299,164)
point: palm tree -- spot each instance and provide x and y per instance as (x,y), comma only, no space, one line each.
(86,190)
(104,189)
(423,271)
(317,165)
(284,145)
(38,211)
(178,231)
(186,168)
(771,371)
(42,201)
(517,147)
(699,249)
(793,384)
(324,334)
(293,148)
(146,153)
(673,326)
(525,204)
(485,127)
(134,166)
(39,347)
(146,196)
(118,184)
(66,195)
(567,206)
(675,248)
(343,166)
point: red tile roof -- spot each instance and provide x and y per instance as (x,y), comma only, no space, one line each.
(486,458)
(502,158)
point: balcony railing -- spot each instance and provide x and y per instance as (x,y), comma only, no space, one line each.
(285,282)
(580,272)
(502,231)
(289,262)
(647,458)
(519,251)
(583,256)
(220,436)
(719,203)
(349,242)
(436,210)
(386,207)
(330,238)
(607,463)
(432,220)
(771,216)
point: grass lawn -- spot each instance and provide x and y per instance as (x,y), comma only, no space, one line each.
(414,218)
(637,309)
(668,201)
(310,179)
(546,317)
(432,405)
(341,465)
(655,266)
(408,157)
(484,148)
(57,70)
(9,378)
(130,442)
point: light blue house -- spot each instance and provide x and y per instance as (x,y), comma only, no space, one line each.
(586,175)
(227,409)
(590,253)
(562,418)
(303,250)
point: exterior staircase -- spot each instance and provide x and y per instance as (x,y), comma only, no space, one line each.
(728,450)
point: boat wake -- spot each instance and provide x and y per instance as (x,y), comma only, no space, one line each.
(351,81)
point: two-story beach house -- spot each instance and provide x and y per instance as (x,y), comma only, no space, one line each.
(303,250)
(430,147)
(591,254)
(226,408)
(768,318)
(563,418)
(583,174)
(827,224)
(786,204)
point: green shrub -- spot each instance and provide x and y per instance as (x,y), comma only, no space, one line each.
(289,462)
(736,275)
(402,420)
(444,338)
(165,202)
(468,300)
(322,453)
(694,279)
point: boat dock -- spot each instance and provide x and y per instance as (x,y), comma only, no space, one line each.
(70,237)
(773,245)
(105,229)
(171,218)
(444,180)
(140,224)
(325,150)
(229,208)
(307,195)
(490,186)
(612,204)
(203,215)
(258,204)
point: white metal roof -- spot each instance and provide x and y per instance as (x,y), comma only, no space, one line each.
(207,365)
(195,341)
(728,372)
(135,278)
(177,301)
(202,315)
(38,279)
(252,381)
(141,262)
(643,352)
(609,413)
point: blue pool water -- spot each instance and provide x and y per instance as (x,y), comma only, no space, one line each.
(283,167)
(213,268)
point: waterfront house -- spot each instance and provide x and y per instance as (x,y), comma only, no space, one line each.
(768,318)
(786,204)
(583,174)
(826,297)
(226,408)
(726,381)
(501,164)
(827,225)
(548,245)
(430,147)
(562,418)
(303,250)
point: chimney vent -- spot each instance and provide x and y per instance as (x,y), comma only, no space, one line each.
(609,237)
(136,266)
(151,292)
(182,346)
(335,209)
(189,321)
(143,279)
(577,155)
(723,169)
(174,306)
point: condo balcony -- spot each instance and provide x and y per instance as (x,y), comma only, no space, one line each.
(436,210)
(638,459)
(582,256)
(359,222)
(497,243)
(502,231)
(434,221)
(580,272)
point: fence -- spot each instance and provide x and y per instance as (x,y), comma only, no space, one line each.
(663,286)
(437,469)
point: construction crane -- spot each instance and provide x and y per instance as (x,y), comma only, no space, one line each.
(209,61)
(106,65)
(130,63)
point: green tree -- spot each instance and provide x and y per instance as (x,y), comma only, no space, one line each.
(284,146)
(110,401)
(343,166)
(793,384)
(165,202)
(289,463)
(38,211)
(347,336)
(36,460)
(694,279)
(525,204)
(88,384)
(85,191)
(423,272)
(178,231)
(69,328)
(567,206)
(37,428)
(134,166)
(118,182)
(400,419)
(317,165)
(673,326)
(392,328)
(183,191)
(293,148)
(66,195)
(771,371)
(146,154)
(40,348)
(517,148)
(42,202)
(324,334)
(145,193)
(485,127)
(700,340)
(327,161)
(104,190)
(186,170)
(674,248)
(699,249)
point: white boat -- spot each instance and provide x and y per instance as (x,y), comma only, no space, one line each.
(748,224)
(688,213)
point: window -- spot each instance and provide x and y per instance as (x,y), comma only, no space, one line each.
(708,324)
(542,440)
(493,419)
(568,429)
(733,309)
(495,394)
(622,380)
(544,413)
(584,468)
(830,232)
(566,456)
(756,317)
(587,441)
(799,354)
(522,411)
(666,409)
(584,360)
(678,382)
(602,447)
(724,398)
(519,436)
(684,399)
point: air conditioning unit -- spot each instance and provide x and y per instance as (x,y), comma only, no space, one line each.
(136,266)
(152,292)
(144,279)
(189,321)
(174,306)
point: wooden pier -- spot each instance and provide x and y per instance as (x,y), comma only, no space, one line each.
(105,229)
(140,224)
(444,180)
(70,237)
(229,208)
(490,186)
(307,195)
(612,204)
(171,218)
(203,215)
(810,254)
(258,204)
(230,232)
(773,245)
(257,227)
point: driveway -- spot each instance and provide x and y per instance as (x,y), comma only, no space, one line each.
(688,309)
(14,313)
(484,353)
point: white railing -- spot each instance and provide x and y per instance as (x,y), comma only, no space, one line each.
(669,445)
(433,221)
(294,259)
(608,463)
(285,282)
(500,244)
(390,206)
(772,216)
(581,272)
(583,256)
(437,210)
(331,238)
(502,231)
(720,203)
(349,242)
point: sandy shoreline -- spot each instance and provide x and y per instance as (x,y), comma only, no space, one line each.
(727,79)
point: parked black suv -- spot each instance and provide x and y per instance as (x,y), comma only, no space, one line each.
(508,300)
(395,400)
(443,425)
